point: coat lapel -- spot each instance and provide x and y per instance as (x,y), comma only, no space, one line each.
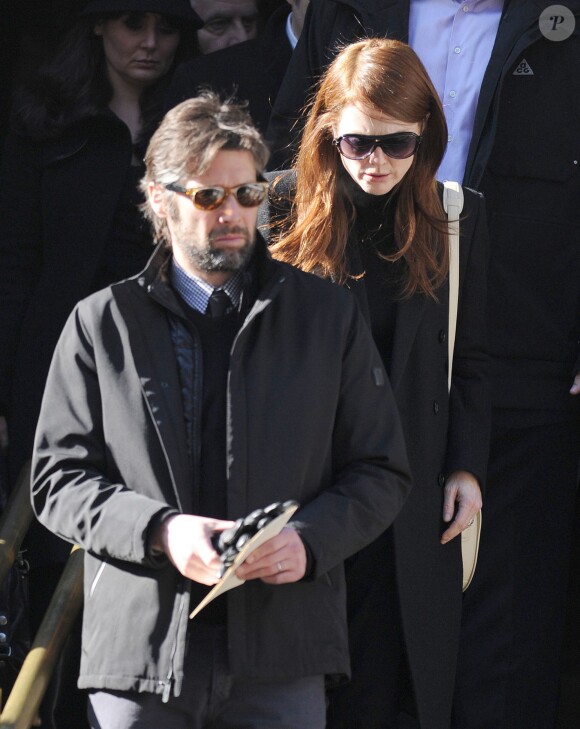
(407,319)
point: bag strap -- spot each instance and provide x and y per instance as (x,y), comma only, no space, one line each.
(453,205)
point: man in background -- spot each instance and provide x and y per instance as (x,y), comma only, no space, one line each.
(251,71)
(226,22)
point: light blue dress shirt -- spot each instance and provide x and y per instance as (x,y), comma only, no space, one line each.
(454,40)
(292,38)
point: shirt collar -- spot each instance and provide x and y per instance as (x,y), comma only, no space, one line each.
(292,37)
(196,292)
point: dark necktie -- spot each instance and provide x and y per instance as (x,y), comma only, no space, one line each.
(218,303)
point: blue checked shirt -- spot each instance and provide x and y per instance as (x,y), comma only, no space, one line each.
(196,292)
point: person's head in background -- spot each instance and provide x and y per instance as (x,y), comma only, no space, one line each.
(117,54)
(225,23)
(140,41)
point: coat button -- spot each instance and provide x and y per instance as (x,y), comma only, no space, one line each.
(443,336)
(435,407)
(441,479)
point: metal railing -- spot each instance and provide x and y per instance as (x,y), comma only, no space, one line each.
(15,521)
(22,705)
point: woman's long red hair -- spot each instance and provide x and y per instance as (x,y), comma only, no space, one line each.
(383,77)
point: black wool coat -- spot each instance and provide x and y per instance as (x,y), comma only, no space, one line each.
(57,202)
(444,433)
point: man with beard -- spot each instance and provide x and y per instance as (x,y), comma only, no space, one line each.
(212,384)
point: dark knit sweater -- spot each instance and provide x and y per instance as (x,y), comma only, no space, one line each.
(374,228)
(216,336)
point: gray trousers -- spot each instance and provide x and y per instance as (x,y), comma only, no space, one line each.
(211,698)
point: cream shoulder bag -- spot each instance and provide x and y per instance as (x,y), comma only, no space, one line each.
(453,205)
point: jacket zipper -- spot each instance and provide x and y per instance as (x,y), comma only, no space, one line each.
(168,682)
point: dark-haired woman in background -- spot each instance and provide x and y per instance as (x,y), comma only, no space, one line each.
(68,185)
(69,201)
(367,211)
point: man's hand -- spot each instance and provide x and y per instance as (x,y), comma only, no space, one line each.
(575,389)
(280,560)
(3,433)
(186,540)
(462,490)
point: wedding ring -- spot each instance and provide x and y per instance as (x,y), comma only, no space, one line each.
(279,567)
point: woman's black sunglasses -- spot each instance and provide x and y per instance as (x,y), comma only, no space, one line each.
(248,195)
(399,145)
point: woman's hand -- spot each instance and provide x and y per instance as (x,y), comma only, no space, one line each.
(462,497)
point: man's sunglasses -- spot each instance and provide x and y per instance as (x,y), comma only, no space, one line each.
(248,195)
(358,146)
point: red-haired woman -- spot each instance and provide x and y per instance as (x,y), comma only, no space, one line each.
(366,211)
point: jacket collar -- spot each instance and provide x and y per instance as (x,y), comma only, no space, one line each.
(273,39)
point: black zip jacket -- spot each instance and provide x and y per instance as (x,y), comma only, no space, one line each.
(311,417)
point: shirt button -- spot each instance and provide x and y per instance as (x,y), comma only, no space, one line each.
(465,8)
(435,407)
(457,49)
(441,479)
(450,138)
(453,94)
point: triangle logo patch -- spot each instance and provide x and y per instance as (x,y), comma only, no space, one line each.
(523,69)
